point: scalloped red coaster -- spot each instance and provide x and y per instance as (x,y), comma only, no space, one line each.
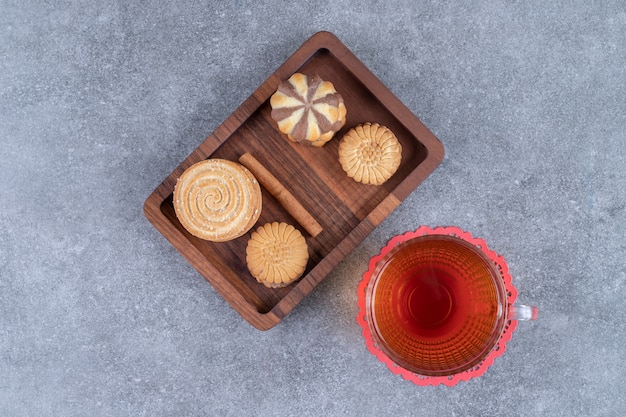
(450,380)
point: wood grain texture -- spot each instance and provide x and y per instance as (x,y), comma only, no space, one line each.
(345,210)
(282,194)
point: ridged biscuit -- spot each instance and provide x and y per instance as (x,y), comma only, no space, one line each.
(308,109)
(217,200)
(277,254)
(370,153)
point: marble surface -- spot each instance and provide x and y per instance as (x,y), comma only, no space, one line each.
(100,101)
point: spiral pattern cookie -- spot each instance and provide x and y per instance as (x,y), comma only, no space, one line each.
(217,200)
(370,153)
(308,109)
(277,254)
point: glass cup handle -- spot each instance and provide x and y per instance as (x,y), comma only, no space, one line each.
(523,312)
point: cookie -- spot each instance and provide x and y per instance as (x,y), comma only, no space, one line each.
(277,254)
(217,200)
(308,109)
(370,153)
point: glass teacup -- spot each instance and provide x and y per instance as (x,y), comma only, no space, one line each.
(437,305)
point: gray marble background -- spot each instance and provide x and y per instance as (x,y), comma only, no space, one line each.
(100,101)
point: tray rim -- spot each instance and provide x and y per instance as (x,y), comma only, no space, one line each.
(318,41)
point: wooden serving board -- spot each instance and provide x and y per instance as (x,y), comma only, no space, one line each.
(346,210)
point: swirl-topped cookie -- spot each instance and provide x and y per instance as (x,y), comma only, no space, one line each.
(370,153)
(308,109)
(277,254)
(217,200)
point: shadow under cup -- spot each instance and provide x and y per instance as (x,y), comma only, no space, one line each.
(436,305)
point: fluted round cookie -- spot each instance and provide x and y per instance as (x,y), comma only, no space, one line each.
(217,200)
(308,109)
(276,254)
(370,153)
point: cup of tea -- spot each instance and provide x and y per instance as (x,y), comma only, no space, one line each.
(437,304)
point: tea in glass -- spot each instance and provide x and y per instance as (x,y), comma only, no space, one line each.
(436,305)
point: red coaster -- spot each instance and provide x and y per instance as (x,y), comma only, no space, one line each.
(450,380)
